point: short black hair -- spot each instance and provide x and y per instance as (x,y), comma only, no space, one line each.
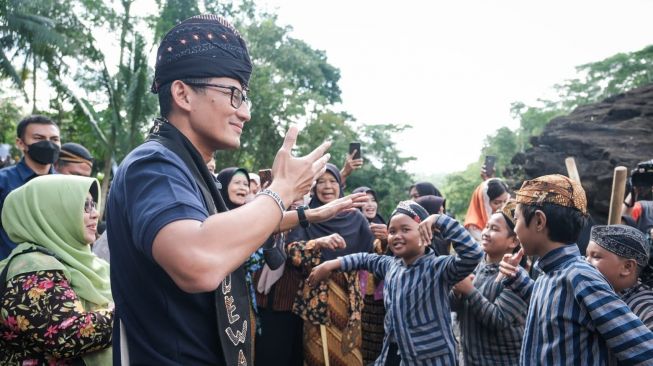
(33,119)
(564,223)
(165,94)
(495,188)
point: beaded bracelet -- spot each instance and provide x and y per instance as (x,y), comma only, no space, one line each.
(275,197)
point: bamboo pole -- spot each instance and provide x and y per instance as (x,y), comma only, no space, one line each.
(572,171)
(617,197)
(325,347)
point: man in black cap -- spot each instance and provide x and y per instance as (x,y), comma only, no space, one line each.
(620,252)
(74,159)
(176,268)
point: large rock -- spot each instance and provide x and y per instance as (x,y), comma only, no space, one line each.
(600,136)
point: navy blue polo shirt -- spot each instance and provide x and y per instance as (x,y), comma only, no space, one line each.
(11,178)
(164,325)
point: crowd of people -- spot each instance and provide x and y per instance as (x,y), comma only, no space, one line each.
(233,269)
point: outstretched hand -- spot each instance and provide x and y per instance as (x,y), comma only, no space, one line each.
(331,209)
(294,176)
(509,266)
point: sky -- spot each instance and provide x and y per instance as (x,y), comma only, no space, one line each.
(451,69)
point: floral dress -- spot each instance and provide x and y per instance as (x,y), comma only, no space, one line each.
(336,304)
(43,322)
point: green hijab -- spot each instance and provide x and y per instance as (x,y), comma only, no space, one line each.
(48,211)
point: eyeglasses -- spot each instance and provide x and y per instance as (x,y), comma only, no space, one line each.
(89,206)
(238,97)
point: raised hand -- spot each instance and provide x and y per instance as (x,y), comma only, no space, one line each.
(294,176)
(351,164)
(426,229)
(509,266)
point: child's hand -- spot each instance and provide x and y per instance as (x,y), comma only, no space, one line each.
(509,265)
(322,272)
(426,229)
(464,287)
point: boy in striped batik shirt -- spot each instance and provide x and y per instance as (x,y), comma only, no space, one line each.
(574,316)
(417,284)
(491,315)
(620,253)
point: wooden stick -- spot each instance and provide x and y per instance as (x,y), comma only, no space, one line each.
(617,197)
(572,171)
(325,347)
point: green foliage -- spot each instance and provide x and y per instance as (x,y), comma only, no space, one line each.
(290,79)
(108,108)
(614,75)
(458,188)
(383,169)
(171,13)
(9,116)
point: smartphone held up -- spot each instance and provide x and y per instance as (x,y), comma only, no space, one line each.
(355,149)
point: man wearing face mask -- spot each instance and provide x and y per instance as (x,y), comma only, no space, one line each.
(38,138)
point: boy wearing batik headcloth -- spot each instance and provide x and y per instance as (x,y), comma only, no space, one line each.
(417,284)
(574,317)
(491,316)
(620,253)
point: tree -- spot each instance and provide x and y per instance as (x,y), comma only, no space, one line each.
(384,166)
(595,81)
(290,80)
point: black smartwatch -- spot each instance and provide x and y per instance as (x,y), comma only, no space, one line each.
(302,216)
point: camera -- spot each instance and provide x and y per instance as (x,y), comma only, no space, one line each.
(642,175)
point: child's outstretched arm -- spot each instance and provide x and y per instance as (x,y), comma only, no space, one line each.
(375,263)
(323,271)
(468,252)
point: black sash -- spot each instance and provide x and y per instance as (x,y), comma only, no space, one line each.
(232,300)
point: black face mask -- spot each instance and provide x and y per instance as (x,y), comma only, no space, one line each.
(43,152)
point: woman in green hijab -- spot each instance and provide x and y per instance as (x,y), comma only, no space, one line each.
(57,306)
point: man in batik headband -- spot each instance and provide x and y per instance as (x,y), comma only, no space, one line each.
(550,213)
(418,321)
(177,254)
(74,159)
(620,252)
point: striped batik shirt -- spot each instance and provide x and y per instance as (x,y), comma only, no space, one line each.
(640,300)
(491,320)
(416,297)
(575,318)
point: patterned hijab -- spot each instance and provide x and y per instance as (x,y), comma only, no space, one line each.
(352,226)
(48,211)
(224,177)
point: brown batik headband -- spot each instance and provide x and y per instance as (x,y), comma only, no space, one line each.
(554,189)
